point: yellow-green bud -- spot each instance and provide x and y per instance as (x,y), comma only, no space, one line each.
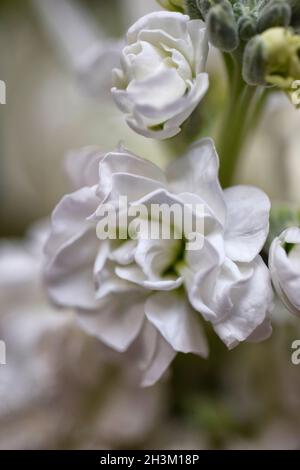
(282,49)
(172,5)
(273,58)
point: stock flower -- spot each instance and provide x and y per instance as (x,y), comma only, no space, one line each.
(147,295)
(284,263)
(162,78)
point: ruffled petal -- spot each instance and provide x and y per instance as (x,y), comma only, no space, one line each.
(117,322)
(177,322)
(247,222)
(198,170)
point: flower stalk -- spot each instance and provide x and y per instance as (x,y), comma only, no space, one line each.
(243,109)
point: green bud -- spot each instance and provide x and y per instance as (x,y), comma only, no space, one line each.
(172,5)
(254,66)
(247,27)
(200,8)
(276,13)
(295,6)
(205,5)
(193,10)
(222,27)
(273,58)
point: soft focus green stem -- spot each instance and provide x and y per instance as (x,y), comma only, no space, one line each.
(240,114)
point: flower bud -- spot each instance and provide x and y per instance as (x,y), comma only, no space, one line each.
(205,5)
(193,9)
(200,8)
(273,57)
(222,27)
(172,5)
(247,27)
(254,66)
(276,13)
(295,6)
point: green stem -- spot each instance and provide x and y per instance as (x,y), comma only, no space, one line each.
(240,116)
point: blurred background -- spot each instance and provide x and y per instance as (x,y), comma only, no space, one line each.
(61,389)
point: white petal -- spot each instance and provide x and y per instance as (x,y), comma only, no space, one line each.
(251,302)
(197,171)
(124,253)
(155,356)
(172,22)
(155,257)
(132,186)
(177,322)
(247,222)
(166,86)
(163,122)
(198,33)
(285,269)
(69,219)
(117,322)
(125,163)
(71,250)
(69,273)
(200,273)
(135,274)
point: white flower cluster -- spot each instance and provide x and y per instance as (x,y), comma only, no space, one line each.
(144,296)
(149,295)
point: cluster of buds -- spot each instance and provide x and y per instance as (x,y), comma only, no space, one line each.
(263,34)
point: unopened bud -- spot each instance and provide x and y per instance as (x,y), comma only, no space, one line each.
(295,6)
(273,58)
(193,9)
(254,66)
(247,27)
(222,27)
(276,13)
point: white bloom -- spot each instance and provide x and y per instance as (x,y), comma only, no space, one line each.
(284,263)
(162,79)
(130,294)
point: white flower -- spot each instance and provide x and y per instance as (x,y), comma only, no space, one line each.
(162,79)
(284,263)
(146,296)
